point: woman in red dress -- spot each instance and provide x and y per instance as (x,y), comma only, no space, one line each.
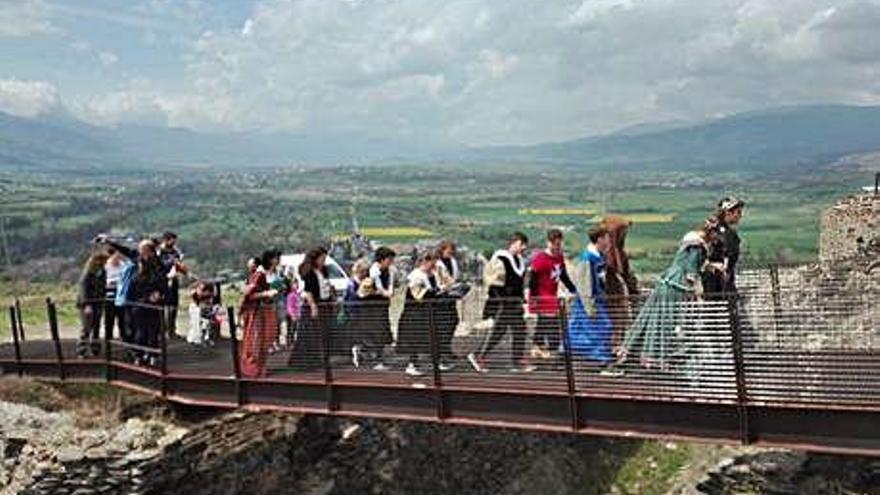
(259,321)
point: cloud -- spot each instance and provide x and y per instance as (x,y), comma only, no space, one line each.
(25,18)
(482,72)
(27,98)
(107,58)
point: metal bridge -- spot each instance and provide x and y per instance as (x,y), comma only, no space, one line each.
(790,362)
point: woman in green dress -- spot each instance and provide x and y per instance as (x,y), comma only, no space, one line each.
(655,334)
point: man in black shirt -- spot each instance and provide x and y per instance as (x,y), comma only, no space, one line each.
(171,260)
(725,250)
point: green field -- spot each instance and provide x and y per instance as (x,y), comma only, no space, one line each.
(224,217)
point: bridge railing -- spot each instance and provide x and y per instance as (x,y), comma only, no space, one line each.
(773,345)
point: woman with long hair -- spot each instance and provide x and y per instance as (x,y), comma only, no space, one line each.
(259,320)
(142,298)
(90,301)
(447,319)
(270,264)
(655,336)
(147,293)
(311,347)
(413,333)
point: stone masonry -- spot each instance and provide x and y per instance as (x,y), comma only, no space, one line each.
(849,228)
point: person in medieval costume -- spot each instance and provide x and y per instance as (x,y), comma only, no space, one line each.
(725,250)
(589,327)
(313,340)
(450,290)
(621,285)
(505,279)
(656,334)
(546,271)
(419,314)
(259,321)
(374,295)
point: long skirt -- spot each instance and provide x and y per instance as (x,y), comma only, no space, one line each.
(312,338)
(589,336)
(620,312)
(371,324)
(413,331)
(260,323)
(446,321)
(655,336)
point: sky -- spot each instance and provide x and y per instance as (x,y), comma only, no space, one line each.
(450,72)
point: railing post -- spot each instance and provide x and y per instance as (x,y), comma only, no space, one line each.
(15,342)
(20,320)
(569,368)
(236,364)
(324,324)
(163,356)
(435,360)
(108,342)
(739,369)
(776,299)
(53,331)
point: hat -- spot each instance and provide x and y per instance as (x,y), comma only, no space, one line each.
(730,203)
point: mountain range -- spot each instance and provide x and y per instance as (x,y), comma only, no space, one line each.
(761,140)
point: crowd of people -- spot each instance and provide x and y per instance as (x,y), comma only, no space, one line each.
(300,312)
(135,292)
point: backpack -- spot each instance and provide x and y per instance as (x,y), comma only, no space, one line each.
(124,287)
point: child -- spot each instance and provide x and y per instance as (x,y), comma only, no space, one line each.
(205,316)
(293,306)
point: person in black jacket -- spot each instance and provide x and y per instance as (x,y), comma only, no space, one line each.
(504,277)
(145,299)
(90,301)
(725,250)
(171,261)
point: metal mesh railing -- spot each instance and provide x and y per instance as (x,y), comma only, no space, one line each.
(780,341)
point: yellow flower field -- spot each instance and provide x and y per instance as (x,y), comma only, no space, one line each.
(557,211)
(644,218)
(396,232)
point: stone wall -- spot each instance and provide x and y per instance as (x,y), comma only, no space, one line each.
(845,223)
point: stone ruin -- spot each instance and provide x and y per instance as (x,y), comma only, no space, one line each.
(850,231)
(832,303)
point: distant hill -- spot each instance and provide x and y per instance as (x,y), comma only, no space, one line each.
(53,144)
(757,140)
(63,143)
(767,140)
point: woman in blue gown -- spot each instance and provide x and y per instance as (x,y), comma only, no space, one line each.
(589,326)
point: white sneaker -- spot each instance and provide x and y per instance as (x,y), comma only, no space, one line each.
(445,366)
(411,370)
(356,356)
(526,368)
(475,363)
(612,372)
(381,367)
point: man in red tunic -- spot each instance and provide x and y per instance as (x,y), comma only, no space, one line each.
(546,271)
